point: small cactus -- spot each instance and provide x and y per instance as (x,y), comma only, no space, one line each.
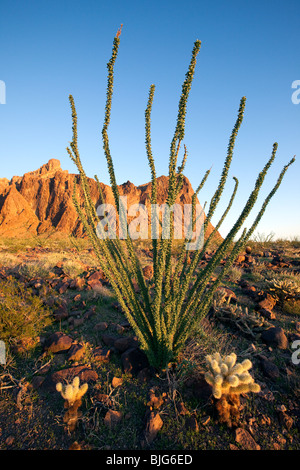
(285,288)
(227,377)
(229,380)
(72,392)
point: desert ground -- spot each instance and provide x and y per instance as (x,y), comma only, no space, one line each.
(59,318)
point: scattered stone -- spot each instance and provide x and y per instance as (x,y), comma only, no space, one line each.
(154,402)
(91,311)
(276,337)
(154,424)
(103,398)
(251,291)
(128,342)
(101,354)
(117,382)
(134,360)
(267,314)
(76,352)
(78,284)
(240,259)
(267,303)
(96,276)
(248,249)
(101,326)
(58,342)
(95,284)
(245,439)
(148,271)
(267,254)
(191,423)
(37,381)
(112,418)
(108,340)
(63,288)
(269,368)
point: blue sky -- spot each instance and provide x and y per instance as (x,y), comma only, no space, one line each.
(50,49)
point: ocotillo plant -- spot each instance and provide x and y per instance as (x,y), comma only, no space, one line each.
(164,316)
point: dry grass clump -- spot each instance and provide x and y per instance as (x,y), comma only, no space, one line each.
(22,314)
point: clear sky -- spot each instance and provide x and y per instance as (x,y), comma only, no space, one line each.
(50,49)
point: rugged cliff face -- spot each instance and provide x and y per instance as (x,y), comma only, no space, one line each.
(41,201)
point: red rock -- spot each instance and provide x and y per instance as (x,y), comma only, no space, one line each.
(153,426)
(122,344)
(268,302)
(245,439)
(240,259)
(116,382)
(101,354)
(101,326)
(148,271)
(76,352)
(95,284)
(40,201)
(275,337)
(58,342)
(112,418)
(191,423)
(134,360)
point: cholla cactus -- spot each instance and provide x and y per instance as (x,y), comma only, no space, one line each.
(227,377)
(72,392)
(229,380)
(250,323)
(285,288)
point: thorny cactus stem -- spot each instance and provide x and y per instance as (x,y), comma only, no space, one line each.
(72,392)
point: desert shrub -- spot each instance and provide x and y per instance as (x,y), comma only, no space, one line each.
(22,314)
(235,273)
(73,268)
(33,269)
(292,307)
(165,312)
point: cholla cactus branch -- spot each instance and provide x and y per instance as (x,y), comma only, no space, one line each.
(228,377)
(72,392)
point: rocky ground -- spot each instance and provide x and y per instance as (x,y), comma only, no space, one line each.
(69,324)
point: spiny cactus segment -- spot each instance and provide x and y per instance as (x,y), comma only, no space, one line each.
(228,377)
(72,392)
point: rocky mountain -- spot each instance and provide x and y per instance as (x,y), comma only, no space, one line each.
(40,201)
